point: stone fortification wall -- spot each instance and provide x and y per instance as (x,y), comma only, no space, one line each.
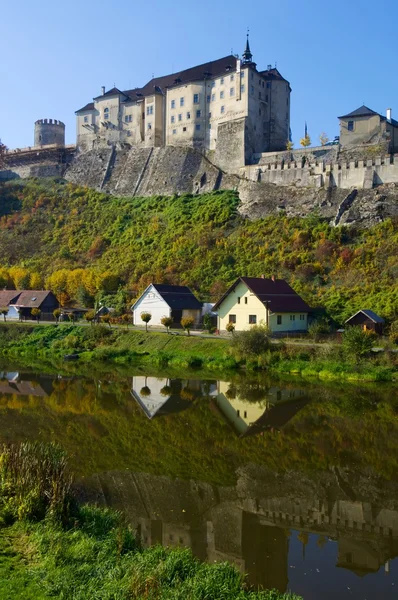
(33,161)
(327,154)
(362,174)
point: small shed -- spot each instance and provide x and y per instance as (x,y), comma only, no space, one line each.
(368,320)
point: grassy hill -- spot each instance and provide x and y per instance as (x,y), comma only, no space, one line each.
(79,242)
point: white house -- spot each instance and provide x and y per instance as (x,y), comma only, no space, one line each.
(254,300)
(7,298)
(162,300)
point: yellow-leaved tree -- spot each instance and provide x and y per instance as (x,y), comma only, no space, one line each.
(305,141)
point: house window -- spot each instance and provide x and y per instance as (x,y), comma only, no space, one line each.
(279,320)
(174,131)
(213,97)
(302,317)
(221,95)
(198,114)
(245,414)
(222,110)
(350,126)
(292,317)
(242,88)
(197,127)
(232,92)
(181,101)
(238,299)
(232,319)
(173,118)
(238,413)
(222,81)
(196,98)
(86,119)
(173,104)
(232,77)
(252,319)
(245,299)
(180,117)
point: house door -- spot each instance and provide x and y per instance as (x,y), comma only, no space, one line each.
(176,315)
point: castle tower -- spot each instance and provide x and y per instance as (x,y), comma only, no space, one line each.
(247,56)
(49,131)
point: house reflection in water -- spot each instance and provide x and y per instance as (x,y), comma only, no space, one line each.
(160,396)
(25,384)
(272,411)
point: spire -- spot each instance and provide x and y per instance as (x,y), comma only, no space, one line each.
(247,55)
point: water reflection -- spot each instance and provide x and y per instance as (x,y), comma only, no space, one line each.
(296,484)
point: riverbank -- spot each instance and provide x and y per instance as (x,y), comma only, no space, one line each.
(100,344)
(51,546)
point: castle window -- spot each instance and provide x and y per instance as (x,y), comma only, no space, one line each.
(268,84)
(259,95)
(213,84)
(242,74)
(149,110)
(222,110)
(350,126)
(242,88)
(209,125)
(149,126)
(86,119)
(197,127)
(106,113)
(173,118)
(232,77)
(188,115)
(263,84)
(129,118)
(213,97)
(180,117)
(181,101)
(184,128)
(208,98)
(279,319)
(222,81)
(221,95)
(259,82)
(198,114)
(252,89)
(232,92)
(196,98)
(174,131)
(173,104)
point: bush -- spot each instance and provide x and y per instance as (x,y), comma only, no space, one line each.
(187,323)
(357,342)
(166,322)
(318,328)
(252,342)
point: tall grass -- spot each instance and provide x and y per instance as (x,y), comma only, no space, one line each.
(34,481)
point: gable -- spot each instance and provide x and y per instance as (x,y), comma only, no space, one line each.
(150,297)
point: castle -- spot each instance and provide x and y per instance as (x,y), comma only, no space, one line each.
(201,107)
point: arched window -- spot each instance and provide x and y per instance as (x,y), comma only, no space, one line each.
(106,113)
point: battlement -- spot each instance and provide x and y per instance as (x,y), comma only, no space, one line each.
(363,173)
(50,122)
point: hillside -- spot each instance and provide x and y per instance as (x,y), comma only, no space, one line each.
(79,242)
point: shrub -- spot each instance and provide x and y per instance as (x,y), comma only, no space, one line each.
(252,342)
(357,342)
(230,327)
(208,323)
(36,312)
(57,314)
(317,328)
(90,316)
(4,312)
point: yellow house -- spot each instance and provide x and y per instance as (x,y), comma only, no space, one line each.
(254,300)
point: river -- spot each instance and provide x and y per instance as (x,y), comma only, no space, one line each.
(293,482)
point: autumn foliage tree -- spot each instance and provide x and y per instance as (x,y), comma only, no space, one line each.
(187,323)
(146,317)
(167,322)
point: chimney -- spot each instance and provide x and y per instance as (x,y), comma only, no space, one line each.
(102,90)
(388,114)
(273,277)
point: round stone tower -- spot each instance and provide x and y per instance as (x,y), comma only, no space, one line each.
(49,131)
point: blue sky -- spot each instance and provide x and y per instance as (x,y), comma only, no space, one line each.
(56,55)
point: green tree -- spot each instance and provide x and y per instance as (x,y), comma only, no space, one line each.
(208,323)
(187,323)
(167,322)
(4,312)
(357,342)
(146,317)
(36,312)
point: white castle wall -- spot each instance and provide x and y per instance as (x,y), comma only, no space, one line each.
(361,174)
